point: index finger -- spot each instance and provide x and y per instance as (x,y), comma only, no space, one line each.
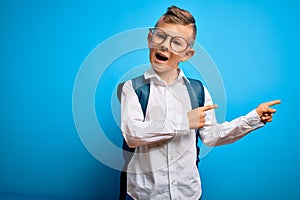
(208,107)
(272,103)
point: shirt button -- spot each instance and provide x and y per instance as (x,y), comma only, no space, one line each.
(173,182)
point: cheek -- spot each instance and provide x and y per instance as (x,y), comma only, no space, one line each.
(175,58)
(151,54)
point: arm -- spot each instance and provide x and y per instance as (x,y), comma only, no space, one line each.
(154,128)
(214,134)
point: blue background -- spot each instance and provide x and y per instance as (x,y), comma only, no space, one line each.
(43,43)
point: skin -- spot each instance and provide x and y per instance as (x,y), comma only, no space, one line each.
(167,70)
(265,112)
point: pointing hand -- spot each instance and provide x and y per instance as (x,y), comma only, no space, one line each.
(197,116)
(265,112)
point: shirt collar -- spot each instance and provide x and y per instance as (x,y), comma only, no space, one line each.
(151,74)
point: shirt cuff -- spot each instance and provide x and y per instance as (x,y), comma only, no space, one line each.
(254,120)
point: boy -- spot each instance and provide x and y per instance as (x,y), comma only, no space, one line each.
(163,165)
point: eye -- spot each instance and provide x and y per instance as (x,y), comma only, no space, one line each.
(160,35)
(178,41)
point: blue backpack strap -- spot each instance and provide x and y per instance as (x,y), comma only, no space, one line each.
(198,89)
(142,90)
(141,87)
(196,92)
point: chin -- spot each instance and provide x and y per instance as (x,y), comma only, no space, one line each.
(161,67)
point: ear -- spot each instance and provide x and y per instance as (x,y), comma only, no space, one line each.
(188,55)
(149,39)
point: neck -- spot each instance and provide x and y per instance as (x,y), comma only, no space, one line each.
(168,76)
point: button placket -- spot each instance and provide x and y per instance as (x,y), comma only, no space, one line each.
(172,170)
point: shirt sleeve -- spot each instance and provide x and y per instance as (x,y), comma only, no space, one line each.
(214,134)
(138,131)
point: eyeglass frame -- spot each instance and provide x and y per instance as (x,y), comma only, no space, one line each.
(172,37)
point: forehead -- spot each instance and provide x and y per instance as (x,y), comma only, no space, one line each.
(185,31)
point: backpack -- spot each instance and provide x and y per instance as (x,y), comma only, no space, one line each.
(142,89)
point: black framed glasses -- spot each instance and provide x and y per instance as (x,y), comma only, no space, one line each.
(177,43)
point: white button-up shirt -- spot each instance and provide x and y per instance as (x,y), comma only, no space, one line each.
(164,162)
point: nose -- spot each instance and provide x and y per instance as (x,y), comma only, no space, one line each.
(166,44)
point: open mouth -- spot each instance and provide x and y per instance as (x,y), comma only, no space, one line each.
(161,57)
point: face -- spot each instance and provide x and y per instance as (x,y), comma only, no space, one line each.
(163,56)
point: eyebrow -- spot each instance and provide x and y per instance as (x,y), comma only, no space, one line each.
(177,34)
